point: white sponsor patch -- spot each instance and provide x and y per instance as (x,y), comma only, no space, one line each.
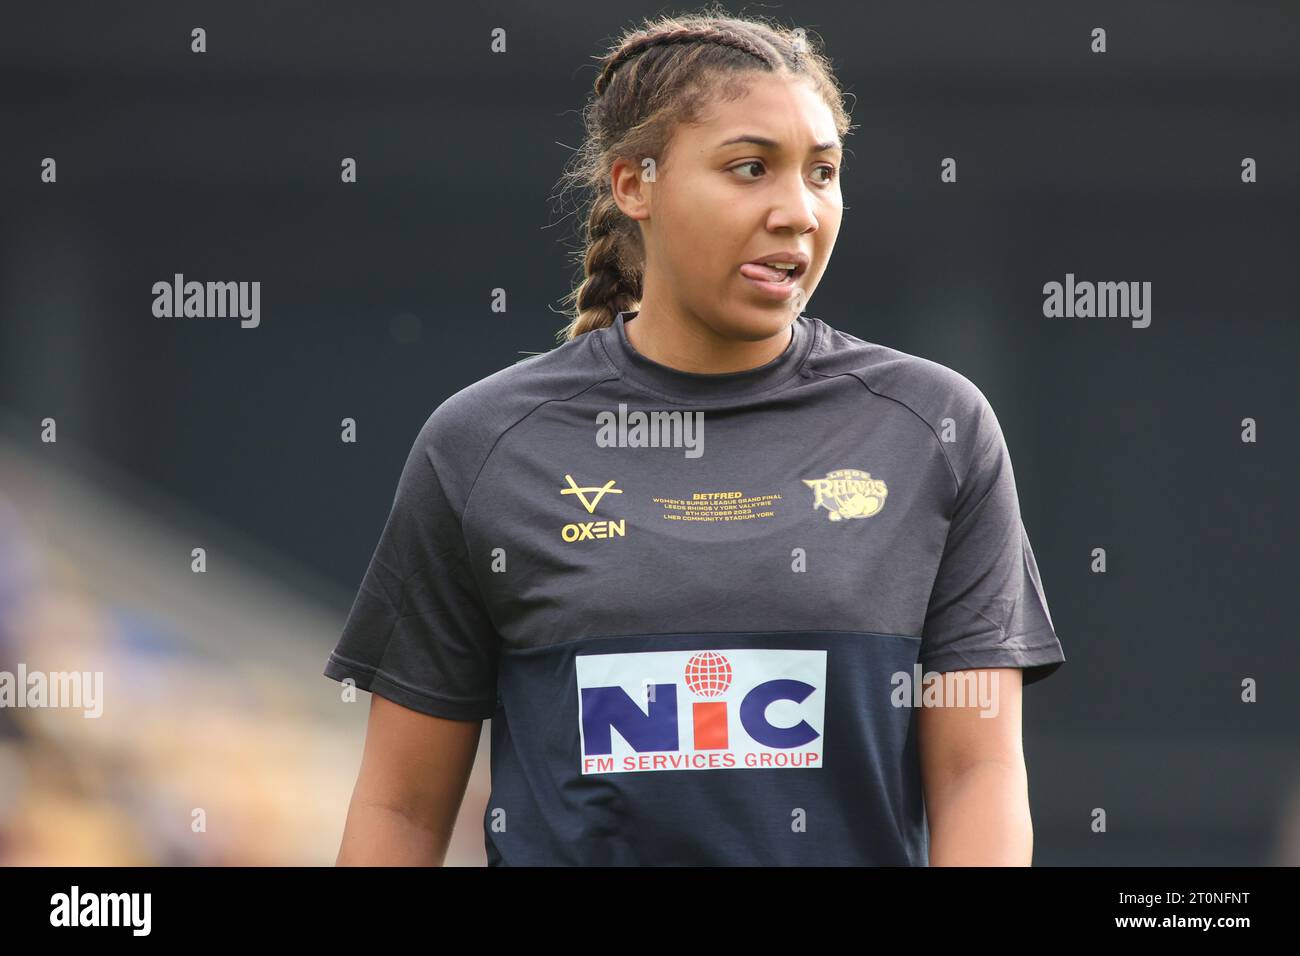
(736,708)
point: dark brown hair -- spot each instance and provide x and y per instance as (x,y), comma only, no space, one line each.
(651,79)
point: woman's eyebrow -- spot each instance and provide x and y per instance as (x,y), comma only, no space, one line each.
(773,144)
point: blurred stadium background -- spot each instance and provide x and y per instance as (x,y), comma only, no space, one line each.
(211,685)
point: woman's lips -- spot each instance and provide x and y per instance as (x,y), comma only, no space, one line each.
(762,279)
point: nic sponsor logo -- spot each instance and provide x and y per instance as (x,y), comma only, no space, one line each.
(743,708)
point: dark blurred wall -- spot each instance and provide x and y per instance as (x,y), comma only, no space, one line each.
(375,305)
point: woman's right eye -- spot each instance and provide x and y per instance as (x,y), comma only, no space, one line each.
(752,162)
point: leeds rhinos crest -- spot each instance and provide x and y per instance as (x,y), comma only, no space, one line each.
(848,493)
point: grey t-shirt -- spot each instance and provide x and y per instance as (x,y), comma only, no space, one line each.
(688,602)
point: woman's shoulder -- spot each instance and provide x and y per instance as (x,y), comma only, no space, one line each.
(474,416)
(938,398)
(928,387)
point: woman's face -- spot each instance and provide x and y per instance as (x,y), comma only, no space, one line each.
(759,176)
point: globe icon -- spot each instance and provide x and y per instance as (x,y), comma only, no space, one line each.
(708,674)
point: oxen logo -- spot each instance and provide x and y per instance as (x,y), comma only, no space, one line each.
(586,530)
(848,493)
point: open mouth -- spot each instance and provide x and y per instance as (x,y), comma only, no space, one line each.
(778,272)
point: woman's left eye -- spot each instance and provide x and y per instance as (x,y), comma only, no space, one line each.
(834,171)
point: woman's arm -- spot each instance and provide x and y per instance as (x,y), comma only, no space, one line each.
(413,776)
(973,772)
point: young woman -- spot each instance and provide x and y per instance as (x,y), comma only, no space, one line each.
(695,562)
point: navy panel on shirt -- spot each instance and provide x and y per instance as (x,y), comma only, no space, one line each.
(798,756)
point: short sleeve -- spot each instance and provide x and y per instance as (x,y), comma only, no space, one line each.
(987,607)
(418,632)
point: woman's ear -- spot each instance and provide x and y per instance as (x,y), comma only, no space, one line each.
(632,186)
